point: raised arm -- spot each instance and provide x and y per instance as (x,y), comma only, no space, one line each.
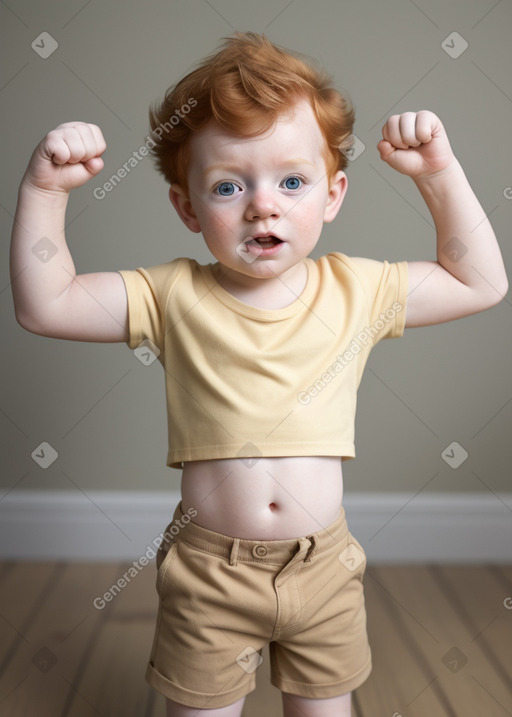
(469,275)
(50,299)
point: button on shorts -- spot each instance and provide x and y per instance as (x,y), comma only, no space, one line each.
(222,599)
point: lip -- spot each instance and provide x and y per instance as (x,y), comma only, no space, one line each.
(263,235)
(256,250)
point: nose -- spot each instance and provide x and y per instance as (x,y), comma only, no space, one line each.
(262,205)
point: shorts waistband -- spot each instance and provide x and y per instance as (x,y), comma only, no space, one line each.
(262,551)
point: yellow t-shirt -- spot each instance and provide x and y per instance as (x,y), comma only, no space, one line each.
(242,381)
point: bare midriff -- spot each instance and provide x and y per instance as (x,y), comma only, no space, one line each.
(264,498)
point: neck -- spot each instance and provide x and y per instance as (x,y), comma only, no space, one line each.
(272,292)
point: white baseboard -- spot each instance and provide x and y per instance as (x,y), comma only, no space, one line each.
(120,526)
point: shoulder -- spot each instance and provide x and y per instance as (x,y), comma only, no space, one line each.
(367,272)
(358,269)
(162,277)
(356,264)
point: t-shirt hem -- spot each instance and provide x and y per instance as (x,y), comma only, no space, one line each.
(134,313)
(403,288)
(176,458)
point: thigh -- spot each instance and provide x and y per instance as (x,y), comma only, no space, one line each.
(174,709)
(295,706)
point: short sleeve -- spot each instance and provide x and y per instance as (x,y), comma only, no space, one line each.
(147,291)
(385,285)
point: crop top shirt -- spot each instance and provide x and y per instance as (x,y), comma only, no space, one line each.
(243,381)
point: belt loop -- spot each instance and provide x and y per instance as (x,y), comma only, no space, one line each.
(234,551)
(312,550)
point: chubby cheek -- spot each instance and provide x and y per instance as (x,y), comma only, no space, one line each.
(218,232)
(309,222)
(222,225)
(208,216)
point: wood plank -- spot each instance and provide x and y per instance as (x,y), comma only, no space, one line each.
(24,586)
(23,667)
(397,670)
(444,684)
(113,678)
(478,599)
(50,622)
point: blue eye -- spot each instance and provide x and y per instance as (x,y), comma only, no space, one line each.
(292,182)
(226,189)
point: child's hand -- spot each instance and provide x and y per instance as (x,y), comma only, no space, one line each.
(416,144)
(67,157)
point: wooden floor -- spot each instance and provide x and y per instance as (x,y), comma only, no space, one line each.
(441,640)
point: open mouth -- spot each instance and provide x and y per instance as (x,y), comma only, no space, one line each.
(263,246)
(266,242)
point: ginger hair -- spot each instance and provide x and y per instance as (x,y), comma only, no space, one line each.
(245,87)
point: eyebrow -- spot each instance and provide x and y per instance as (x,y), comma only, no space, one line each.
(296,162)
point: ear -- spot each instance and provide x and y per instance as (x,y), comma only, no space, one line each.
(183,206)
(337,190)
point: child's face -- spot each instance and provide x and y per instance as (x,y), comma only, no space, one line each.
(273,184)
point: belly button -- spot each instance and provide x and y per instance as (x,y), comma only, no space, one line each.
(272,506)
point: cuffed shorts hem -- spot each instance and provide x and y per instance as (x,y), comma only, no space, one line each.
(331,689)
(191,698)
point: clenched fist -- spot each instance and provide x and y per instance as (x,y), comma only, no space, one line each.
(416,144)
(67,157)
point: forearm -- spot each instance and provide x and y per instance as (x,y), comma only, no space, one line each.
(37,276)
(466,243)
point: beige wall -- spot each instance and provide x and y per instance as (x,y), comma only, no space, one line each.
(95,403)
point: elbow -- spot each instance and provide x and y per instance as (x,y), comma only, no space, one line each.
(503,287)
(21,319)
(506,287)
(24,317)
(502,290)
(29,324)
(497,295)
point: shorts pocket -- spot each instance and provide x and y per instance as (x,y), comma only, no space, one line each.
(164,559)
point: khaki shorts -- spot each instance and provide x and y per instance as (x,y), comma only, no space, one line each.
(222,599)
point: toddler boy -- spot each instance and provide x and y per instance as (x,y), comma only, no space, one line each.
(263,352)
